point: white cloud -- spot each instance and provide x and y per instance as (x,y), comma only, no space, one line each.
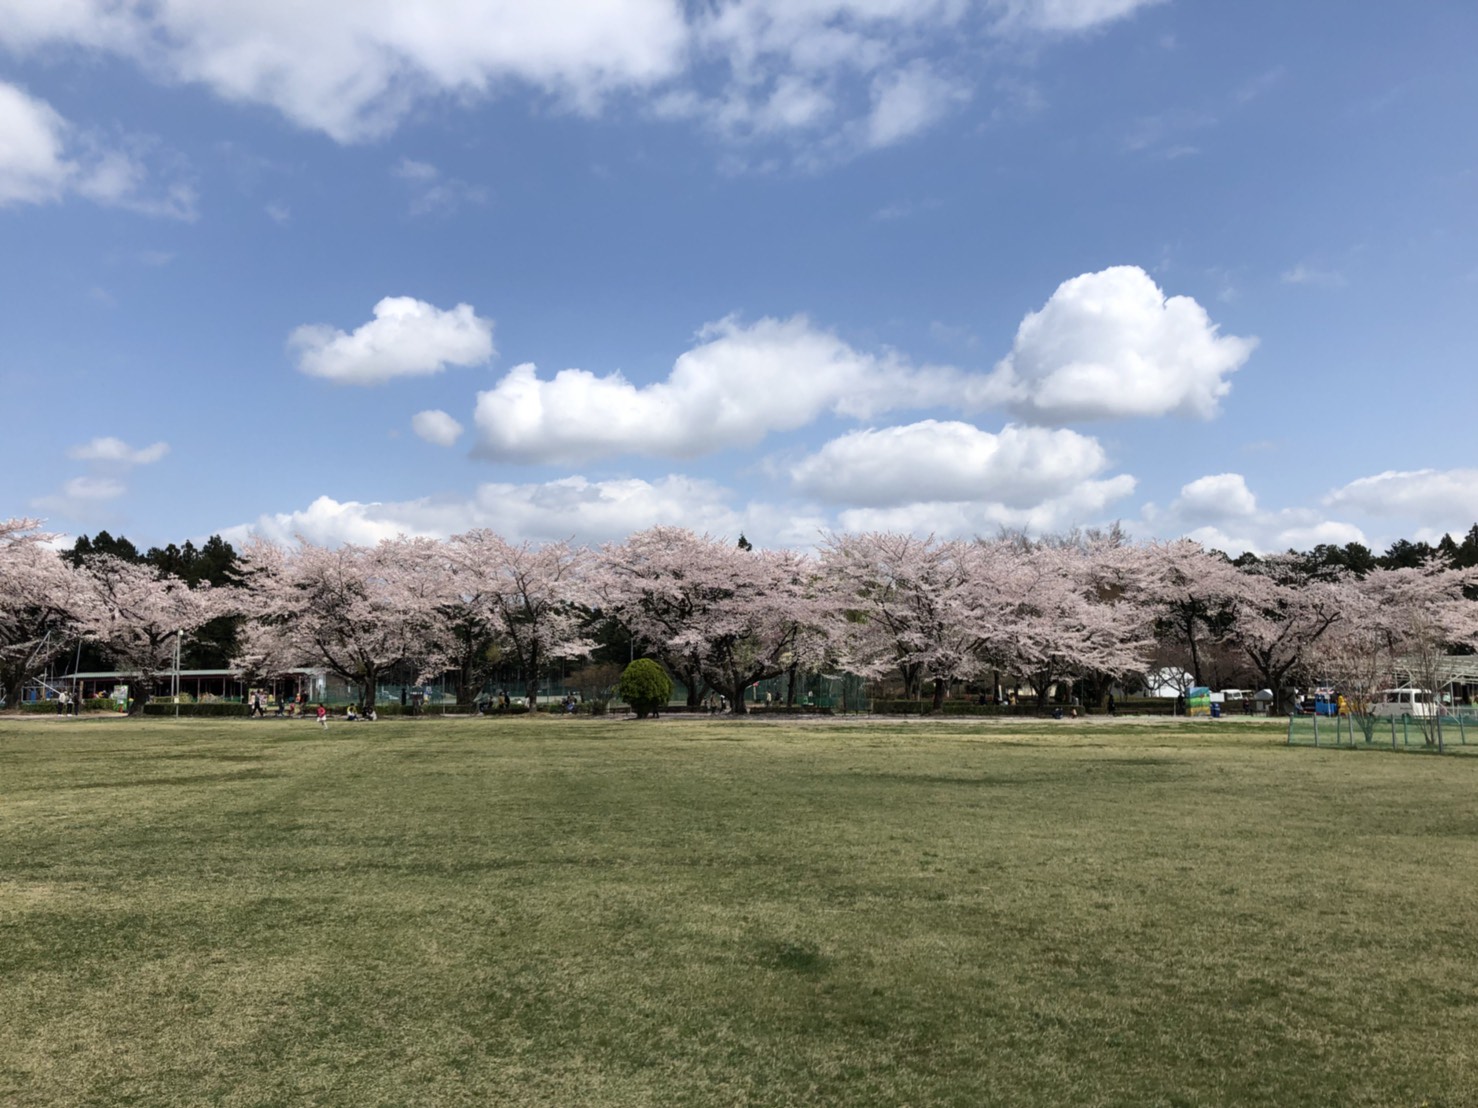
(116,451)
(1017,469)
(909,100)
(1111,345)
(354,68)
(407,338)
(33,167)
(43,158)
(1309,275)
(93,488)
(610,510)
(855,74)
(1221,496)
(1220,511)
(744,382)
(1290,529)
(81,497)
(1083,505)
(432,192)
(1430,495)
(1067,16)
(436,427)
(591,511)
(1106,344)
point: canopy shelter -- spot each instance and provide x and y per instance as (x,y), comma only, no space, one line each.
(1454,674)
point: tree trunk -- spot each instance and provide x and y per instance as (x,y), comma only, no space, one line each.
(939,686)
(790,685)
(11,687)
(736,698)
(1042,686)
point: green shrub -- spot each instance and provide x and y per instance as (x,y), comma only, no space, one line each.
(645,686)
(219,709)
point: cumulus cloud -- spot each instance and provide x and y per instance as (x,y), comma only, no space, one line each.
(43,158)
(436,427)
(117,452)
(1221,512)
(1426,494)
(1086,503)
(1221,496)
(1111,345)
(595,511)
(954,462)
(591,511)
(407,338)
(742,383)
(1289,529)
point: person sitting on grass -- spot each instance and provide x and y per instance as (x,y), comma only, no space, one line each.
(349,714)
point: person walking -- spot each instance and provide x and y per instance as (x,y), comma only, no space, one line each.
(322,717)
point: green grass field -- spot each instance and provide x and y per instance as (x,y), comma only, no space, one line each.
(542,912)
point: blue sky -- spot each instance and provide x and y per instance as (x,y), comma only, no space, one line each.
(345,269)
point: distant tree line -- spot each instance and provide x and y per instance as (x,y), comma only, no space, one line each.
(1075,614)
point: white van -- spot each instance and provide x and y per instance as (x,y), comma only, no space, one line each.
(1395,703)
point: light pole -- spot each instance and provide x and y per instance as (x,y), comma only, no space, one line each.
(178,638)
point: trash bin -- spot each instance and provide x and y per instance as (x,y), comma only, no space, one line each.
(1215,711)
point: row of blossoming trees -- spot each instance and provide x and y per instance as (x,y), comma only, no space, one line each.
(1087,608)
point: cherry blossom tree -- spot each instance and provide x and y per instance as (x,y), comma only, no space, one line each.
(926,607)
(1073,606)
(534,598)
(1282,616)
(735,615)
(357,611)
(40,602)
(1400,625)
(138,614)
(1192,590)
(639,585)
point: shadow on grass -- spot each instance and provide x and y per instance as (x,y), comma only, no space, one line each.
(800,957)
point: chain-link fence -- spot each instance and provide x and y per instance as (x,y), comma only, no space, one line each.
(1455,733)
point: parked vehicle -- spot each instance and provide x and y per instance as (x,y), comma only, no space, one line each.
(1395,703)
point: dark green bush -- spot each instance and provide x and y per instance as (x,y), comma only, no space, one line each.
(90,704)
(217,709)
(645,686)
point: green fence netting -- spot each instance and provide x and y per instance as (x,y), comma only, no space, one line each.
(1447,734)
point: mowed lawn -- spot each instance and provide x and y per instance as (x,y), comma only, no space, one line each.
(684,912)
